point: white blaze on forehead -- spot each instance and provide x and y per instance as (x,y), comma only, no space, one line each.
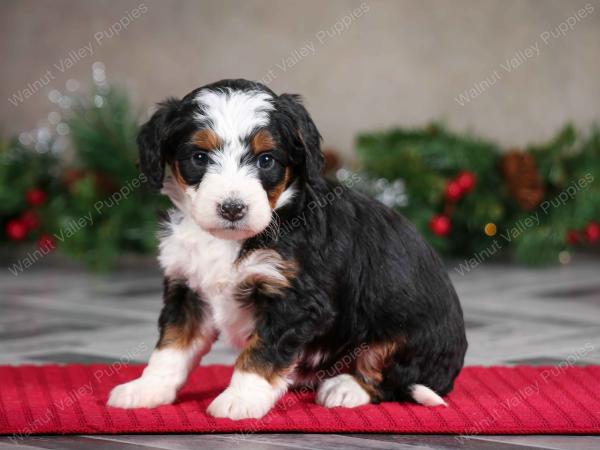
(234,115)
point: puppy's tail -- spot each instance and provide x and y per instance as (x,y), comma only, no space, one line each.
(425,396)
(408,383)
(417,393)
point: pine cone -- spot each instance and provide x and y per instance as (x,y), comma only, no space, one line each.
(522,178)
(332,161)
(102,183)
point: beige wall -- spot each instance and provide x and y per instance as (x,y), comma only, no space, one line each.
(397,62)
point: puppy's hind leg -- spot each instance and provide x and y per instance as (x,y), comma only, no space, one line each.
(363,385)
(371,380)
(184,339)
(342,390)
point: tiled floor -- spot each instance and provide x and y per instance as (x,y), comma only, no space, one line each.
(515,315)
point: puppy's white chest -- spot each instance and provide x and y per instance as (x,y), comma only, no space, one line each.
(207,264)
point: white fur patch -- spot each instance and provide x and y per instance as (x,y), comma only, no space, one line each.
(425,396)
(286,196)
(234,114)
(188,252)
(342,390)
(249,396)
(315,358)
(175,194)
(142,393)
(165,374)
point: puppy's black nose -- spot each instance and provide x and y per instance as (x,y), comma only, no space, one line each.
(232,210)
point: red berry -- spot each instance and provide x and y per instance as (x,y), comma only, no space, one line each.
(35,197)
(440,225)
(592,232)
(30,220)
(46,242)
(572,237)
(453,191)
(466,180)
(16,230)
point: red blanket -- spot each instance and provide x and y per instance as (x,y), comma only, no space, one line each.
(486,400)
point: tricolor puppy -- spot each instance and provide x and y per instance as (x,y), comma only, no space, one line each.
(348,279)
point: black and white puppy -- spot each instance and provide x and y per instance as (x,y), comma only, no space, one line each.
(348,277)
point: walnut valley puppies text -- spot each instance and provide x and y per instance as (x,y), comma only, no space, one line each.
(534,219)
(522,55)
(75,55)
(73,226)
(321,37)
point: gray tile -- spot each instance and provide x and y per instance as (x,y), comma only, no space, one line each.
(6,444)
(552,442)
(24,312)
(304,441)
(322,441)
(588,294)
(434,442)
(472,324)
(532,312)
(34,330)
(133,291)
(544,361)
(72,357)
(75,443)
(196,441)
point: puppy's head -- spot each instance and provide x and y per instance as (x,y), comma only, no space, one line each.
(237,152)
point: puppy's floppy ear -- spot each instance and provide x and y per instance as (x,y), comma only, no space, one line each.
(151,140)
(305,136)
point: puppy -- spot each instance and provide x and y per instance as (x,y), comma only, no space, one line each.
(299,272)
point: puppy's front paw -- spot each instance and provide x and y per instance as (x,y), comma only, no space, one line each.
(235,404)
(342,390)
(141,393)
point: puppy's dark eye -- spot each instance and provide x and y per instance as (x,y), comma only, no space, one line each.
(265,162)
(200,158)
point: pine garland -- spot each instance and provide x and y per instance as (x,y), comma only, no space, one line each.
(556,183)
(95,205)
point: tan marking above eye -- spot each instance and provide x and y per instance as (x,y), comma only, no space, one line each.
(262,142)
(206,139)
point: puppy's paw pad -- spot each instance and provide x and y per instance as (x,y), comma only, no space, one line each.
(342,390)
(235,405)
(141,394)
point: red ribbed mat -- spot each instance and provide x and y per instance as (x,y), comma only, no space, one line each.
(486,400)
